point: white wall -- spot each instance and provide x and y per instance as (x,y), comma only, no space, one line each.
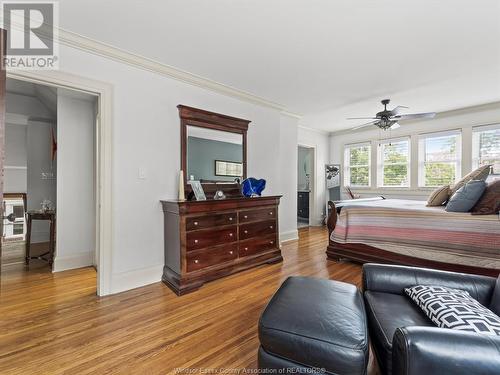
(25,105)
(146,135)
(319,141)
(76,218)
(288,178)
(39,161)
(15,178)
(464,119)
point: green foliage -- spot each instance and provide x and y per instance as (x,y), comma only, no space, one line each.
(360,176)
(489,145)
(438,174)
(395,164)
(359,155)
(360,170)
(396,175)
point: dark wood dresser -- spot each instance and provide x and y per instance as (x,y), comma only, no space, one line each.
(206,240)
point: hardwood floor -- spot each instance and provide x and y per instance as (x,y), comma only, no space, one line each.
(55,324)
(15,251)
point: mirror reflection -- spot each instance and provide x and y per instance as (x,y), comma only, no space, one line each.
(214,155)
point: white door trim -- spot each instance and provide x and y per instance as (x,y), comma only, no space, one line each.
(104,91)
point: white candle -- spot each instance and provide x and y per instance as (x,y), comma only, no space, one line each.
(181,185)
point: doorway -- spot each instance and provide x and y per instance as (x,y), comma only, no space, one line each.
(50,178)
(305,185)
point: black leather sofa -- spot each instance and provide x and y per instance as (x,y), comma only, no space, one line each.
(406,342)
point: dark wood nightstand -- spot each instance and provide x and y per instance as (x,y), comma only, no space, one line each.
(39,215)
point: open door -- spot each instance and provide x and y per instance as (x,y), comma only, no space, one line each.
(3,44)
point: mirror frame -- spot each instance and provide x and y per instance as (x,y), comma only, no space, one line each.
(211,120)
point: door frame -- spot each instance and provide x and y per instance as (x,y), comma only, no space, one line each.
(104,154)
(313,182)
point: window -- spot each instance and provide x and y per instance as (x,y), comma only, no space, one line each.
(393,169)
(439,159)
(357,165)
(486,147)
(14,230)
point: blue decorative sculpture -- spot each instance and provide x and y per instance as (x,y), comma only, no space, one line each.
(251,187)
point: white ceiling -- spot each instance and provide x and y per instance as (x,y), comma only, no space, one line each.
(325,59)
(45,94)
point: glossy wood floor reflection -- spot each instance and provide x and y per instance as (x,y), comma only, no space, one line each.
(55,324)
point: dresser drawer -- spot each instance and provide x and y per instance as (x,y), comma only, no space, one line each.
(257,245)
(257,215)
(211,237)
(257,229)
(197,260)
(202,222)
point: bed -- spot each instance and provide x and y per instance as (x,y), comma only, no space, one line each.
(407,232)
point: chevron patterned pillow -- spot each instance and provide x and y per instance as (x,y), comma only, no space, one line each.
(455,309)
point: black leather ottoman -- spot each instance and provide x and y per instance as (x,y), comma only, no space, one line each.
(314,324)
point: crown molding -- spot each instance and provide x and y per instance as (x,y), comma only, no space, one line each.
(291,114)
(95,47)
(319,131)
(89,45)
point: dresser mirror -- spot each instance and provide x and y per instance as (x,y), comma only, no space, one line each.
(213,151)
(213,155)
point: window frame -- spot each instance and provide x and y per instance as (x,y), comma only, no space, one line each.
(347,164)
(476,130)
(421,155)
(381,164)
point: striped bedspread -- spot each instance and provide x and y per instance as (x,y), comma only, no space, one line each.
(410,228)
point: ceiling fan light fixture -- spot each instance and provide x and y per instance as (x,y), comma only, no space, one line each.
(387,119)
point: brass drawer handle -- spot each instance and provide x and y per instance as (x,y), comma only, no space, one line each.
(245,217)
(271,227)
(231,252)
(195,241)
(246,248)
(230,235)
(196,261)
(271,212)
(246,231)
(230,219)
(195,223)
(271,242)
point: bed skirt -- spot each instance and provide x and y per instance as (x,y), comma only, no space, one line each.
(367,254)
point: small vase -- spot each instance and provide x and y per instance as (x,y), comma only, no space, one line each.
(251,187)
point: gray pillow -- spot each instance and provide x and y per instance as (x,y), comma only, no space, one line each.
(495,300)
(466,197)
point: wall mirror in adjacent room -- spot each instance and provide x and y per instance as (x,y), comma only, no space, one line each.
(213,150)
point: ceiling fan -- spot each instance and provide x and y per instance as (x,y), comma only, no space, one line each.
(388,119)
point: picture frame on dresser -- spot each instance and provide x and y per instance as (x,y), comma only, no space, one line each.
(198,190)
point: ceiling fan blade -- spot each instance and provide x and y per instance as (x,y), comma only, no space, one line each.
(363,118)
(413,116)
(398,109)
(365,125)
